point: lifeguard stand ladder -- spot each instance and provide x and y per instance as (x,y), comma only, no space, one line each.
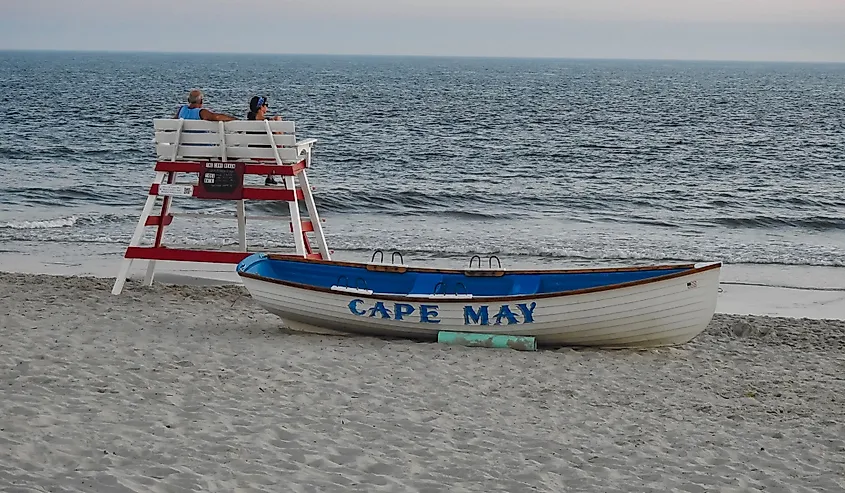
(222,153)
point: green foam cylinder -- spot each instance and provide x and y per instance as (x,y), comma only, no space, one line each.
(499,341)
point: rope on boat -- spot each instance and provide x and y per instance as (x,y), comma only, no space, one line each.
(784,286)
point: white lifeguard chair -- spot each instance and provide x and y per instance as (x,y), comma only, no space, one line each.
(221,154)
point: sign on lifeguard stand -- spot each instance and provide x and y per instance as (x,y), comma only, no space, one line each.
(220,154)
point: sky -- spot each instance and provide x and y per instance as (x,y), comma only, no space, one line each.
(760,30)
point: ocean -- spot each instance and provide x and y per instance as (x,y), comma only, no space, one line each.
(536,161)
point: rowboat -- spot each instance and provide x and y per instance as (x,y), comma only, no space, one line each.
(607,307)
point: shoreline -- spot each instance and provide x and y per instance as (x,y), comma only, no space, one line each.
(207,284)
(746,289)
(172,284)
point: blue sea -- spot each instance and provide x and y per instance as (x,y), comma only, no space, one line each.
(563,162)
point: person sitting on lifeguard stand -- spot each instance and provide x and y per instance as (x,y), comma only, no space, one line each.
(257,111)
(194,110)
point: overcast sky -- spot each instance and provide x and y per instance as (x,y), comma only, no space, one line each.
(801,30)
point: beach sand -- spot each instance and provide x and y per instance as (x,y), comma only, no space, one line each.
(187,388)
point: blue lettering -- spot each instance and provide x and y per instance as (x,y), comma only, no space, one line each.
(505,312)
(476,317)
(428,311)
(379,308)
(402,309)
(353,307)
(527,313)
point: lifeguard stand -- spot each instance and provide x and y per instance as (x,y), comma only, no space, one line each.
(220,154)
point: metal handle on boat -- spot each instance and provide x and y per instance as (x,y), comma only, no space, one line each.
(490,261)
(401,259)
(358,283)
(462,285)
(439,284)
(373,259)
(346,284)
(473,258)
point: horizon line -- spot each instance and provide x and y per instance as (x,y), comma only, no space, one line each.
(385,55)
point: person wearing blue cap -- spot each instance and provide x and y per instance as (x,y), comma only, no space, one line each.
(258,108)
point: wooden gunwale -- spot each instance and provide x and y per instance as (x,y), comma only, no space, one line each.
(594,270)
(475,299)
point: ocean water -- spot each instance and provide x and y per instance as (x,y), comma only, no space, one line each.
(564,162)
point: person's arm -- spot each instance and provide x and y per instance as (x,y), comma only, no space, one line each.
(215,117)
(276,118)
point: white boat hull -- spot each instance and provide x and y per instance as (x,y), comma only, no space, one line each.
(657,313)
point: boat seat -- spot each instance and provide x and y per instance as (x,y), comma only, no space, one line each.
(239,140)
(425,284)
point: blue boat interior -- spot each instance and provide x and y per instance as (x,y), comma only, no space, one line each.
(427,283)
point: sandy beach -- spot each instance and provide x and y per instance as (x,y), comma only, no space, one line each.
(194,388)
